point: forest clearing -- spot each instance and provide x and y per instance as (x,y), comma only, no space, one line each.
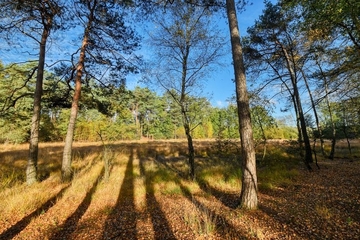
(148,194)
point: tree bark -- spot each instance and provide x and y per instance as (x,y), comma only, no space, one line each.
(191,157)
(31,169)
(66,169)
(333,127)
(308,152)
(248,196)
(345,129)
(313,106)
(333,140)
(186,124)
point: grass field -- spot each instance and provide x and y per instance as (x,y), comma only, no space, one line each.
(147,193)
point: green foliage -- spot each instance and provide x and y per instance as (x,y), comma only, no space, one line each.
(16,87)
(225,122)
(346,119)
(262,123)
(115,112)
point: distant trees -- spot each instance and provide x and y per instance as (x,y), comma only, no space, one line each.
(16,93)
(34,20)
(162,121)
(225,122)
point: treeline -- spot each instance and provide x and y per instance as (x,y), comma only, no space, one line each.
(117,113)
(114,113)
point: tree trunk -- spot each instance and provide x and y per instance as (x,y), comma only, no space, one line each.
(137,122)
(308,152)
(265,140)
(318,126)
(191,157)
(300,142)
(333,142)
(248,196)
(66,169)
(333,127)
(298,126)
(345,130)
(31,169)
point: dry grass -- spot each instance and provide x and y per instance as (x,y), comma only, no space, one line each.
(147,194)
(201,220)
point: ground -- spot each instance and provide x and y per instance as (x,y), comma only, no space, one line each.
(148,196)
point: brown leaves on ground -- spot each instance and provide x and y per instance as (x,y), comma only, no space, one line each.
(145,197)
(323,204)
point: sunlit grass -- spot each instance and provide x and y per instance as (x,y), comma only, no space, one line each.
(221,176)
(273,177)
(216,173)
(200,219)
(22,199)
(107,192)
(16,198)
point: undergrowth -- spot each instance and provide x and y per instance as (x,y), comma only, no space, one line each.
(201,220)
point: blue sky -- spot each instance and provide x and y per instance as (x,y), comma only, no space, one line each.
(219,88)
(222,86)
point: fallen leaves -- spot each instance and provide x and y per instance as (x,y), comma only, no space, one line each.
(136,203)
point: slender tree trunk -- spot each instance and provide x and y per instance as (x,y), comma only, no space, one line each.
(333,141)
(66,169)
(137,123)
(31,169)
(190,146)
(308,152)
(298,126)
(318,126)
(333,127)
(300,141)
(345,130)
(248,196)
(264,139)
(186,124)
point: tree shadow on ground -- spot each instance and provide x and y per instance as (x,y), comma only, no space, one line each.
(223,226)
(71,222)
(20,225)
(230,200)
(121,223)
(162,229)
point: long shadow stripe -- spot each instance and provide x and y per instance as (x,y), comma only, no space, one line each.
(71,222)
(221,222)
(162,229)
(228,199)
(121,223)
(20,225)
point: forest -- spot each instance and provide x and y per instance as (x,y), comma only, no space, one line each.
(73,132)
